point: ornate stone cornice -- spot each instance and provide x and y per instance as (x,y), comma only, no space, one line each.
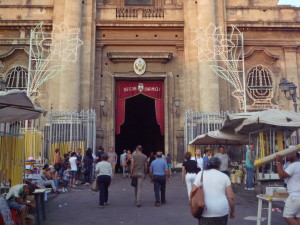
(162,57)
(12,50)
(290,48)
(263,51)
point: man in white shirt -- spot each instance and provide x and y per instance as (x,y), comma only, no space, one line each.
(73,165)
(199,159)
(225,165)
(291,211)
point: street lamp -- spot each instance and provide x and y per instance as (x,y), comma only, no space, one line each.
(2,84)
(290,91)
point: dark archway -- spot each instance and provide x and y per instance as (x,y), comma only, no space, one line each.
(140,127)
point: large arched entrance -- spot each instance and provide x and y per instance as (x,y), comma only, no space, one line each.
(139,116)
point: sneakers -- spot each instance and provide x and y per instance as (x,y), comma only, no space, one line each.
(63,190)
(106,203)
(157,204)
(251,189)
(66,190)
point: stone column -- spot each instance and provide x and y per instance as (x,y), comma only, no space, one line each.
(191,76)
(291,69)
(208,81)
(70,76)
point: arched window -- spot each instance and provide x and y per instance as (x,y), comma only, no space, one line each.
(17,78)
(139,2)
(260,86)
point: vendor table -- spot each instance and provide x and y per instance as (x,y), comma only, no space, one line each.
(40,203)
(269,199)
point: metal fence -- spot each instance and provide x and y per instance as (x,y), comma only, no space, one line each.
(68,130)
(197,123)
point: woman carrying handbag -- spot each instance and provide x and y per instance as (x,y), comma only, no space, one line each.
(104,174)
(219,198)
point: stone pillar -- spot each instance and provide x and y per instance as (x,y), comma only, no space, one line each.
(70,76)
(191,75)
(54,83)
(291,69)
(208,81)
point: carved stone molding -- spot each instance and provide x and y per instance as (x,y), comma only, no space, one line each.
(134,12)
(2,66)
(290,48)
(162,57)
(127,12)
(261,51)
(12,50)
(151,13)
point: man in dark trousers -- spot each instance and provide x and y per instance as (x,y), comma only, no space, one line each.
(138,170)
(159,173)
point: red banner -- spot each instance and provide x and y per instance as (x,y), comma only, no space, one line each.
(129,89)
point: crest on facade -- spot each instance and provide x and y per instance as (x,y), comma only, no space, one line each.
(141,87)
(139,66)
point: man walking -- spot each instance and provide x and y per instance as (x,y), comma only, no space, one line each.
(224,168)
(291,212)
(198,159)
(158,172)
(250,168)
(122,161)
(138,170)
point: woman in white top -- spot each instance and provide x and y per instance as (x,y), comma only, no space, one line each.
(218,194)
(104,174)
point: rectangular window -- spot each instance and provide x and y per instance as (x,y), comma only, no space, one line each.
(139,2)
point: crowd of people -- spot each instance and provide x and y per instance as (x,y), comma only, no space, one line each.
(74,169)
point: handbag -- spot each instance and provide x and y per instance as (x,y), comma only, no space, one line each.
(134,181)
(95,186)
(125,164)
(197,203)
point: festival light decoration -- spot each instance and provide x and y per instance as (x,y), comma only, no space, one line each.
(48,52)
(260,86)
(226,52)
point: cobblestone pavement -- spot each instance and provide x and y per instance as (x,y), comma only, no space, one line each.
(80,206)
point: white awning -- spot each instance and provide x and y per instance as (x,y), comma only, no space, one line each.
(270,118)
(15,106)
(220,138)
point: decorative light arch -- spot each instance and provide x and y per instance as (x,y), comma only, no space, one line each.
(16,78)
(260,86)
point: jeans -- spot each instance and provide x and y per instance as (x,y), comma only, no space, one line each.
(159,184)
(103,182)
(65,183)
(189,180)
(250,176)
(138,188)
(88,177)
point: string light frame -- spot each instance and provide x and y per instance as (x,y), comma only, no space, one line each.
(226,53)
(260,87)
(48,52)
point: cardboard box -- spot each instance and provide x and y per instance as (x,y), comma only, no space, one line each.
(280,194)
(270,190)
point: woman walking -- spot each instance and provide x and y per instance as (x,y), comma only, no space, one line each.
(112,159)
(104,174)
(218,195)
(189,172)
(88,166)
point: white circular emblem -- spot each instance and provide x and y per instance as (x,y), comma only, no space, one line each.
(139,66)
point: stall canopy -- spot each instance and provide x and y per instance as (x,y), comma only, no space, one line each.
(15,106)
(269,119)
(220,138)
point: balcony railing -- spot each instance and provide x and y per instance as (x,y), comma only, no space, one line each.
(144,13)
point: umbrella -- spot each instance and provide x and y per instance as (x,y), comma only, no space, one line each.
(15,105)
(272,118)
(220,138)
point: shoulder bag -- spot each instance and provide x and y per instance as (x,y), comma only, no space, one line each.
(95,186)
(197,203)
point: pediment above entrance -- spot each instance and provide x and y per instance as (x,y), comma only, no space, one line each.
(162,57)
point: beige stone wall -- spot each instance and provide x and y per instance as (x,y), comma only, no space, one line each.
(271,40)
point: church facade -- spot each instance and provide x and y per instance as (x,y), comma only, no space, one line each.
(138,65)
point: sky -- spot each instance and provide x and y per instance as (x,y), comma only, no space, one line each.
(289,2)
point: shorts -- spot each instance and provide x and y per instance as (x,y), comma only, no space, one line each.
(169,167)
(15,205)
(292,207)
(73,174)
